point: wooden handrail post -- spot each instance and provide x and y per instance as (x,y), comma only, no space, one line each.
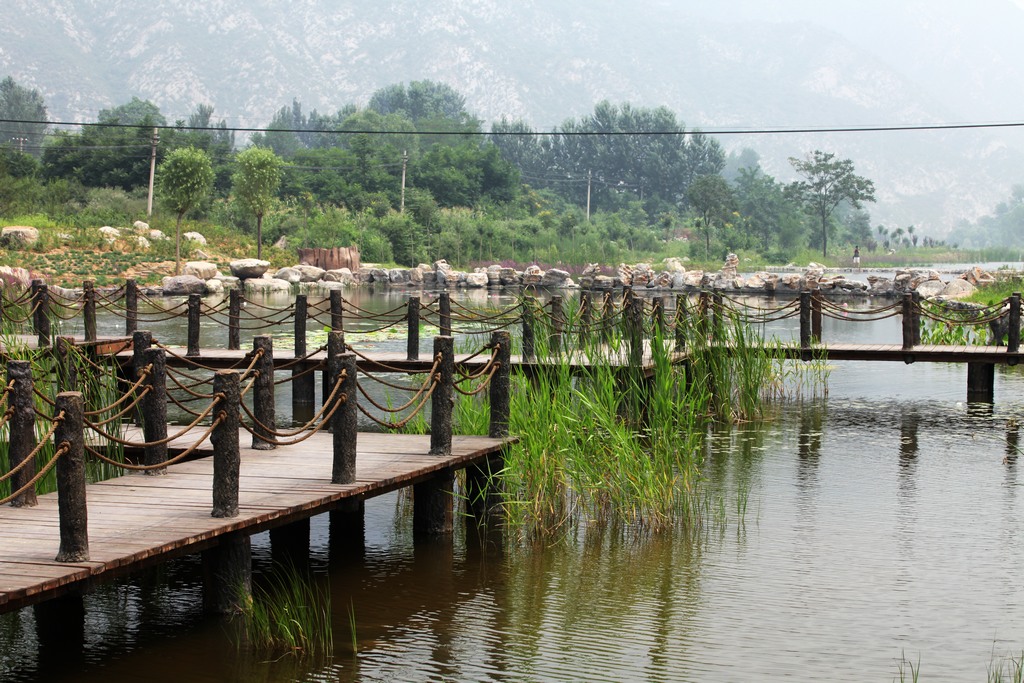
(703,311)
(263,407)
(557,324)
(805,321)
(66,355)
(916,298)
(717,316)
(131,306)
(154,409)
(1013,336)
(226,452)
(335,347)
(443,400)
(500,391)
(234,319)
(41,314)
(344,423)
(908,321)
(658,316)
(303,382)
(337,311)
(586,315)
(634,324)
(529,340)
(195,303)
(444,302)
(89,310)
(71,504)
(23,432)
(142,341)
(607,314)
(816,314)
(412,317)
(680,322)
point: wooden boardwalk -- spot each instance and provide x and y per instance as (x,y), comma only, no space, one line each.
(138,520)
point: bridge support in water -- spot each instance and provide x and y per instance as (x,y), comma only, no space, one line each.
(981,382)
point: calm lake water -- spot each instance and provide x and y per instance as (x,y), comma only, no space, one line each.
(881,523)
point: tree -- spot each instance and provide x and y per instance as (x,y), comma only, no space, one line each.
(827,183)
(255,183)
(711,198)
(21,104)
(186,177)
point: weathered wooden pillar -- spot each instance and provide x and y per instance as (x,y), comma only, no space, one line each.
(142,341)
(412,317)
(717,316)
(226,453)
(234,319)
(23,440)
(444,303)
(263,407)
(480,478)
(344,425)
(66,356)
(89,310)
(916,314)
(557,324)
(805,324)
(981,378)
(529,340)
(195,303)
(607,315)
(227,574)
(908,321)
(1013,336)
(335,347)
(680,322)
(433,509)
(634,322)
(816,322)
(703,312)
(303,382)
(154,410)
(41,312)
(131,306)
(443,400)
(289,545)
(658,316)
(586,315)
(347,532)
(71,504)
(337,311)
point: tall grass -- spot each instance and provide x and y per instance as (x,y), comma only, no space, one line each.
(290,615)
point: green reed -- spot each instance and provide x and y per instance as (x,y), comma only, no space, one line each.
(290,615)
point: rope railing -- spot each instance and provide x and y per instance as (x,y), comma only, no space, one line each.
(143,377)
(159,442)
(60,451)
(314,425)
(400,424)
(159,466)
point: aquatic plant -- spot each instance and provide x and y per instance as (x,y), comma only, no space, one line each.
(290,615)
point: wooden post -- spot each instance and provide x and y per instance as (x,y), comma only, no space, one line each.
(432,509)
(981,379)
(586,315)
(74,517)
(41,315)
(303,383)
(344,425)
(289,545)
(335,347)
(703,312)
(131,306)
(529,340)
(23,434)
(67,364)
(443,400)
(89,310)
(916,314)
(500,391)
(680,322)
(557,324)
(142,341)
(234,319)
(154,410)
(226,454)
(658,316)
(908,321)
(337,311)
(412,317)
(816,315)
(635,330)
(444,302)
(805,323)
(195,303)
(1013,335)
(227,574)
(263,395)
(717,316)
(607,314)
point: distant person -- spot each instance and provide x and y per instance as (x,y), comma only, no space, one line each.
(856,257)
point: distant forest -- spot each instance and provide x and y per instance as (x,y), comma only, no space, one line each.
(413,176)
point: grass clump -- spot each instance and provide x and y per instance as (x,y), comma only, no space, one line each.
(290,615)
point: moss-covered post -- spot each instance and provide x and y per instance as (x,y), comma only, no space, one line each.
(344,424)
(131,306)
(41,312)
(263,407)
(23,433)
(337,311)
(142,341)
(89,310)
(226,454)
(908,321)
(195,303)
(444,303)
(443,400)
(412,317)
(816,314)
(74,518)
(154,410)
(234,319)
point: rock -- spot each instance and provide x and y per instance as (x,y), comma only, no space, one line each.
(673,265)
(157,236)
(200,255)
(931,288)
(732,263)
(310,273)
(509,276)
(141,243)
(363,276)
(978,277)
(555,278)
(201,269)
(229,281)
(194,237)
(678,280)
(289,275)
(15,275)
(958,288)
(18,236)
(281,243)
(342,275)
(214,286)
(266,285)
(693,278)
(476,280)
(532,276)
(441,264)
(329,285)
(399,277)
(880,285)
(662,280)
(181,285)
(625,274)
(249,268)
(380,275)
(643,273)
(141,226)
(110,234)
(792,282)
(603,282)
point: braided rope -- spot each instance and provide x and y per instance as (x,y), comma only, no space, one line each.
(387,409)
(312,422)
(170,461)
(408,418)
(159,442)
(143,375)
(56,420)
(60,451)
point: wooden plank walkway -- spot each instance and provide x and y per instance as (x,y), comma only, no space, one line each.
(137,520)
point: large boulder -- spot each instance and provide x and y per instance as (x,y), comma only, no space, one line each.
(194,237)
(342,275)
(289,275)
(555,277)
(214,286)
(400,276)
(509,276)
(201,269)
(931,288)
(266,285)
(15,275)
(249,268)
(18,236)
(141,227)
(958,289)
(156,236)
(309,273)
(183,285)
(977,277)
(110,234)
(532,276)
(880,285)
(673,265)
(475,280)
(643,274)
(731,265)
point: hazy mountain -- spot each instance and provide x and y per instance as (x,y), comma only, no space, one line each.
(737,63)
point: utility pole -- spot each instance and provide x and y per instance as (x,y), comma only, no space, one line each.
(589,176)
(405,161)
(152,174)
(21,143)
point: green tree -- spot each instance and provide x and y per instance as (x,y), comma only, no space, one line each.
(186,177)
(255,183)
(21,104)
(711,198)
(827,183)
